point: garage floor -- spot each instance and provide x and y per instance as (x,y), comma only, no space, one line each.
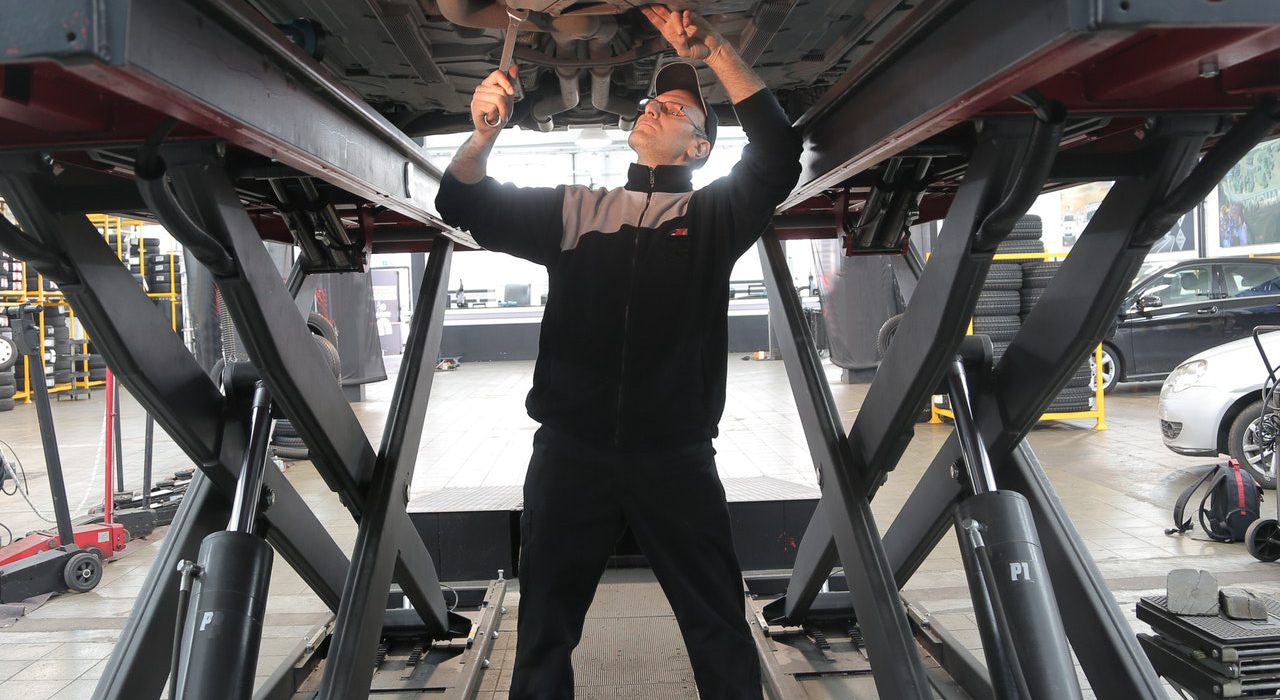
(1118,485)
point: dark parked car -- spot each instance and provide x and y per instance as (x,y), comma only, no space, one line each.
(1186,308)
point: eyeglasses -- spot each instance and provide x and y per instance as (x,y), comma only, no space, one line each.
(674,109)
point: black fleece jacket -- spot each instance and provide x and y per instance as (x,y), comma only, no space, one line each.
(633,347)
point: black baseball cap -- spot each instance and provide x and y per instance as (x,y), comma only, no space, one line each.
(682,75)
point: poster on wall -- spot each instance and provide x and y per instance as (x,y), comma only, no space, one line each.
(1078,205)
(1249,199)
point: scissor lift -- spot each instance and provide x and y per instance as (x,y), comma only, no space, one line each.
(200,115)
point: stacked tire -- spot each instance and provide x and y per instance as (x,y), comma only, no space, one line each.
(286,443)
(9,273)
(158,273)
(97,365)
(996,312)
(1076,395)
(9,363)
(57,346)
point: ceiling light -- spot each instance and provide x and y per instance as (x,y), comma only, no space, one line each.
(593,137)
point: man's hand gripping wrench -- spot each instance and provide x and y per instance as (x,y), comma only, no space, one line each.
(514,19)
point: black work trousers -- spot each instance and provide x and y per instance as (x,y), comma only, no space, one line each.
(577,499)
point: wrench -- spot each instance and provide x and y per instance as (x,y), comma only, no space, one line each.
(514,19)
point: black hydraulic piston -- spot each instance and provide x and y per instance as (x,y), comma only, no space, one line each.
(1001,543)
(224,626)
(1022,633)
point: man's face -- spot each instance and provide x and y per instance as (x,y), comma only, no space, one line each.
(662,136)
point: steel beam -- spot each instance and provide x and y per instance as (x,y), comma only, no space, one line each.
(891,647)
(137,341)
(867,117)
(269,96)
(273,332)
(1008,163)
(282,349)
(138,665)
(1071,317)
(358,625)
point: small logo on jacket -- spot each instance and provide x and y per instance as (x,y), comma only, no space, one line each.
(679,232)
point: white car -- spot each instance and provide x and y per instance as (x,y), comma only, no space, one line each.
(1211,404)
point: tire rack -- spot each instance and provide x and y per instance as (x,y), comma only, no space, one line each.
(1099,410)
(113,224)
(44,299)
(107,224)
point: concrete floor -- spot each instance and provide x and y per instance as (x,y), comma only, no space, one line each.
(1118,486)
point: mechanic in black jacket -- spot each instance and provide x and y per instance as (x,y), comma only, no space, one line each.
(629,384)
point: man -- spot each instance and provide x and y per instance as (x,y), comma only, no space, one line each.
(630,379)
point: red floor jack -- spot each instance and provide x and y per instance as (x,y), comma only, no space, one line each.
(70,558)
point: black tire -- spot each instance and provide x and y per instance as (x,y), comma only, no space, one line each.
(1028,228)
(1062,406)
(7,392)
(1071,400)
(83,572)
(1004,276)
(1112,368)
(997,303)
(8,379)
(8,354)
(1075,395)
(62,376)
(1015,246)
(159,288)
(1240,445)
(330,356)
(1081,378)
(291,453)
(284,429)
(885,336)
(1000,329)
(1038,274)
(1028,300)
(997,350)
(320,326)
(1263,539)
(6,405)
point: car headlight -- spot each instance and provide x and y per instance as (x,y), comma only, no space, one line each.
(1185,376)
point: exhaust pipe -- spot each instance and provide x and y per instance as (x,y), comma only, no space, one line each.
(551,105)
(604,100)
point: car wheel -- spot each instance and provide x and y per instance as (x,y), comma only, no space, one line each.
(1110,369)
(1244,445)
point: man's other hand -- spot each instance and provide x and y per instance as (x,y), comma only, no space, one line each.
(493,101)
(690,35)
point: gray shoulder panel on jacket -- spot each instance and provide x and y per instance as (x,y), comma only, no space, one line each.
(607,211)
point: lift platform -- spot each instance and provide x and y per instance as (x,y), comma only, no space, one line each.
(202,116)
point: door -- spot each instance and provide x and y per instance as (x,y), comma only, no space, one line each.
(1185,319)
(1251,296)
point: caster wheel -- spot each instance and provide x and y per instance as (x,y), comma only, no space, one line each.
(83,572)
(1263,539)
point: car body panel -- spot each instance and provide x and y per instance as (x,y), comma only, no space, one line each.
(1233,371)
(1204,303)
